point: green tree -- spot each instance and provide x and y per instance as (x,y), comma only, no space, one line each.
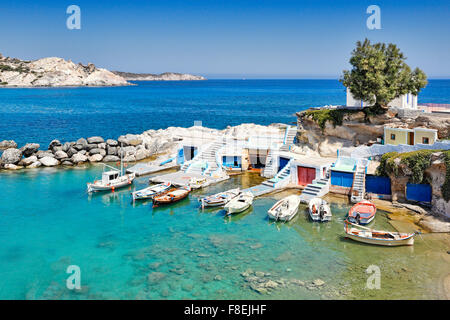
(380,74)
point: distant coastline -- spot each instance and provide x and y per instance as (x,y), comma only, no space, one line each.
(166,76)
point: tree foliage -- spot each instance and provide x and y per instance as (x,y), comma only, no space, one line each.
(380,74)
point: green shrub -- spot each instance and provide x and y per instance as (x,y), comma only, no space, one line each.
(446,185)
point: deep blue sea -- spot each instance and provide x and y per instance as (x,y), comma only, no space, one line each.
(126,251)
(41,115)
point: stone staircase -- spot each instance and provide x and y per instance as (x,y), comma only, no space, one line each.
(208,157)
(281,179)
(358,187)
(269,169)
(291,132)
(318,188)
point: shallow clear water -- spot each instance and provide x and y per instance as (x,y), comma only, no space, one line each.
(41,115)
(128,251)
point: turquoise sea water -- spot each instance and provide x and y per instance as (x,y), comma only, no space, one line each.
(48,222)
(41,115)
(128,251)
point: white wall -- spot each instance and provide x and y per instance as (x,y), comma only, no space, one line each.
(407,101)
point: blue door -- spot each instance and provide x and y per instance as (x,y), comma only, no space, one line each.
(418,192)
(283,163)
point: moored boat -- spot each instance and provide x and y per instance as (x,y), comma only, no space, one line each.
(172,195)
(362,213)
(219,199)
(382,238)
(284,209)
(319,210)
(111,180)
(240,203)
(151,191)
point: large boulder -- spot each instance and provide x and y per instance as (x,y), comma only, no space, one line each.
(40,154)
(129,158)
(111,158)
(11,166)
(54,143)
(29,149)
(130,140)
(97,151)
(11,156)
(7,144)
(112,142)
(91,146)
(102,145)
(95,158)
(28,161)
(78,158)
(49,161)
(61,155)
(142,154)
(95,140)
(35,164)
(111,150)
(71,151)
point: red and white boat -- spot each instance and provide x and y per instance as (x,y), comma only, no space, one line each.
(362,213)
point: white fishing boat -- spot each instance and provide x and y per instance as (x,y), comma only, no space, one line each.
(319,210)
(151,191)
(240,203)
(382,238)
(111,180)
(219,199)
(285,209)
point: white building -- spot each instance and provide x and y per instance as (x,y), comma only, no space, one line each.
(406,101)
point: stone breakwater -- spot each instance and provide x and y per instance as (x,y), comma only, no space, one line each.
(131,147)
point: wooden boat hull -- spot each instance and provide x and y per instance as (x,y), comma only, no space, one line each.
(377,237)
(151,192)
(362,213)
(96,187)
(314,214)
(232,210)
(219,199)
(380,242)
(239,203)
(277,212)
(170,196)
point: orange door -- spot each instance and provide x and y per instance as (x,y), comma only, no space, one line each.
(305,175)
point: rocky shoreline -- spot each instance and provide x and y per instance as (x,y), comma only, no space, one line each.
(166,76)
(131,147)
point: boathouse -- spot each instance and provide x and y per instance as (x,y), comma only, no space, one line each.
(343,173)
(305,169)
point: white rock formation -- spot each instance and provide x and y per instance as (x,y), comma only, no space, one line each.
(167,76)
(54,72)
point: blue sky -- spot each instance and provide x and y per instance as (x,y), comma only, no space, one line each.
(225,38)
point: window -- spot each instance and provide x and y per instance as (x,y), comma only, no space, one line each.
(425,140)
(392,136)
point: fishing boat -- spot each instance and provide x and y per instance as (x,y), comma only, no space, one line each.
(171,196)
(151,191)
(240,203)
(362,213)
(219,199)
(285,209)
(319,210)
(382,238)
(111,180)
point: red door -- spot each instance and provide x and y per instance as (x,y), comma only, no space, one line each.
(305,175)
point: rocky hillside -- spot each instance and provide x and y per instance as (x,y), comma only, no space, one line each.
(323,131)
(54,72)
(167,76)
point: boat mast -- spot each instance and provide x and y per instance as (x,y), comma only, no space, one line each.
(121,164)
